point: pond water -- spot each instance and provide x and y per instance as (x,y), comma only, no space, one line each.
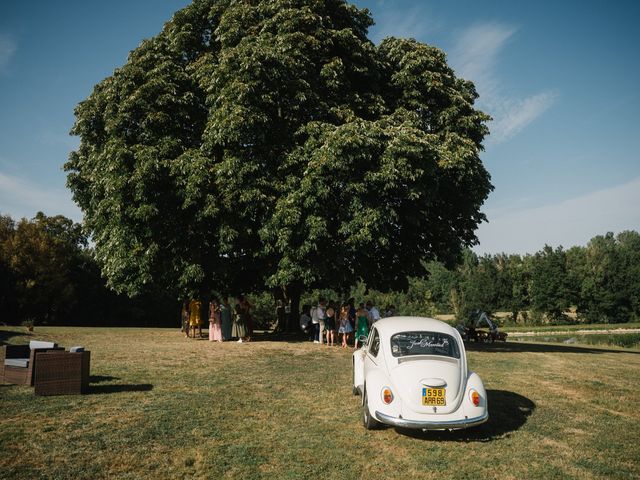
(626,340)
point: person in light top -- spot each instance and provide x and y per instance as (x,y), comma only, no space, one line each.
(317,318)
(374,313)
(215,326)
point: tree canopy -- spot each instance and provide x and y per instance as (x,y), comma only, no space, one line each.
(271,142)
(48,276)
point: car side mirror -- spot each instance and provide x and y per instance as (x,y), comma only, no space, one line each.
(362,339)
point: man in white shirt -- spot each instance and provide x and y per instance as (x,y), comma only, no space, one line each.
(317,318)
(374,314)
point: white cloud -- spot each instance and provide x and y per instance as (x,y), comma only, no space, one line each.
(475,54)
(415,22)
(513,115)
(7,49)
(20,197)
(571,222)
(475,57)
(55,138)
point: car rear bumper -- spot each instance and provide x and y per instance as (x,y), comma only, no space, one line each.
(432,425)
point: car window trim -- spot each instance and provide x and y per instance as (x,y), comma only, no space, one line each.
(374,332)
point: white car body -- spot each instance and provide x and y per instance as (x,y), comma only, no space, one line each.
(417,359)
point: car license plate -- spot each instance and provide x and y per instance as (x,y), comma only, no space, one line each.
(434,397)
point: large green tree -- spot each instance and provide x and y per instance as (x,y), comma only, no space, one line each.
(610,285)
(550,287)
(271,142)
(38,257)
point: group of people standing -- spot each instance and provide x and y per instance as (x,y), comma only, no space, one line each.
(325,322)
(225,323)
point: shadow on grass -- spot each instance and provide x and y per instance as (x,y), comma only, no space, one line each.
(101,378)
(269,336)
(287,337)
(503,347)
(518,347)
(102,389)
(5,335)
(508,412)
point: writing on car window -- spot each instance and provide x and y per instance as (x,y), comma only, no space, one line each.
(424,343)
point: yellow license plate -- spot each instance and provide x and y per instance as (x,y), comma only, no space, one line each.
(434,397)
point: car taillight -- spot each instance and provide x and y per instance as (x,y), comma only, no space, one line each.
(387,395)
(475,398)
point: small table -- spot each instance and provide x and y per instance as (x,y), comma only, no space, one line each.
(62,373)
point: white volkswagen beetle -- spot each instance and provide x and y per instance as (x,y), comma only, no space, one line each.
(412,373)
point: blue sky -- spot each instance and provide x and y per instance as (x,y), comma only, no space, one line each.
(561,80)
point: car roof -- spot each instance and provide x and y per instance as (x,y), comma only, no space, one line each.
(392,325)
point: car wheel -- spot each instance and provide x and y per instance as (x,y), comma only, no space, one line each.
(368,421)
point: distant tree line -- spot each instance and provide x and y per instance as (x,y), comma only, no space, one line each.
(599,283)
(49,275)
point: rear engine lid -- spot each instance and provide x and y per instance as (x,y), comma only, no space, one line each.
(429,385)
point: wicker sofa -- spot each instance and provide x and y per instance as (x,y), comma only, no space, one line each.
(18,361)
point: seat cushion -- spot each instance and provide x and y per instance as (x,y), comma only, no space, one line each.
(33,344)
(16,362)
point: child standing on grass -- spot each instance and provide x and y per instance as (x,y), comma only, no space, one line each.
(345,325)
(330,326)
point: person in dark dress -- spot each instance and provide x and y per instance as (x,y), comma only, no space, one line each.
(239,328)
(226,319)
(352,314)
(330,326)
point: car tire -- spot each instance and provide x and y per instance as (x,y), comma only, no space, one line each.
(368,421)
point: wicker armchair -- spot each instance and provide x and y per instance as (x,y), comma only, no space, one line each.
(18,361)
(62,373)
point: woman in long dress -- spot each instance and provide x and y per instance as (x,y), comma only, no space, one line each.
(194,316)
(225,319)
(362,323)
(239,328)
(215,328)
(246,307)
(185,318)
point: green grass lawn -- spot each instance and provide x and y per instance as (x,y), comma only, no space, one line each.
(163,406)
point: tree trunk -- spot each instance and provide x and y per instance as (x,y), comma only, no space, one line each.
(292,293)
(279,296)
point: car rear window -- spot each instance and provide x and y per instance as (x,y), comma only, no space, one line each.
(424,343)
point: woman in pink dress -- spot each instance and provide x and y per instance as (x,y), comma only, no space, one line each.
(215,328)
